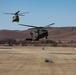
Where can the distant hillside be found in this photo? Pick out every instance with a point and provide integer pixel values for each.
(55, 33)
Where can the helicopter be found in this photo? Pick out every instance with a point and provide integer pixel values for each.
(16, 15)
(40, 32)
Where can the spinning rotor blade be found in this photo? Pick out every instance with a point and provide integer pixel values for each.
(36, 26)
(9, 13)
(13, 13)
(28, 25)
(24, 13)
(17, 11)
(21, 15)
(49, 25)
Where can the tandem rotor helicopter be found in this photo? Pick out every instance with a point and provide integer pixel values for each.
(40, 32)
(15, 18)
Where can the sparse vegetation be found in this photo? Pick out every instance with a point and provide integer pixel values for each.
(38, 43)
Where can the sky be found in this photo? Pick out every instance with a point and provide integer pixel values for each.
(42, 13)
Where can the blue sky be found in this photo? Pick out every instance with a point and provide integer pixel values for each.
(42, 12)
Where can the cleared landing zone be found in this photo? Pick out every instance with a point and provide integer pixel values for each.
(29, 60)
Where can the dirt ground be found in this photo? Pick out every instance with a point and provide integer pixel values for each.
(30, 60)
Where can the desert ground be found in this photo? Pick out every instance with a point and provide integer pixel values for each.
(30, 60)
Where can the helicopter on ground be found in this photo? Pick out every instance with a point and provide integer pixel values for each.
(40, 32)
(15, 18)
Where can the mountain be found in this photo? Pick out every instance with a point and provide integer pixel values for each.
(55, 33)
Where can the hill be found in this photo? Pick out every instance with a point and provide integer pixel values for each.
(55, 33)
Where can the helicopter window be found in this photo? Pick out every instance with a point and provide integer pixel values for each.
(44, 30)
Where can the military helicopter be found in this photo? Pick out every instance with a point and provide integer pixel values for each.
(40, 32)
(15, 18)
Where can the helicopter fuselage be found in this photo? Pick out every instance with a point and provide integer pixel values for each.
(15, 18)
(41, 34)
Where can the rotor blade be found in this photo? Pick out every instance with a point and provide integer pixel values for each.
(49, 24)
(21, 15)
(16, 13)
(9, 13)
(28, 25)
(24, 13)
